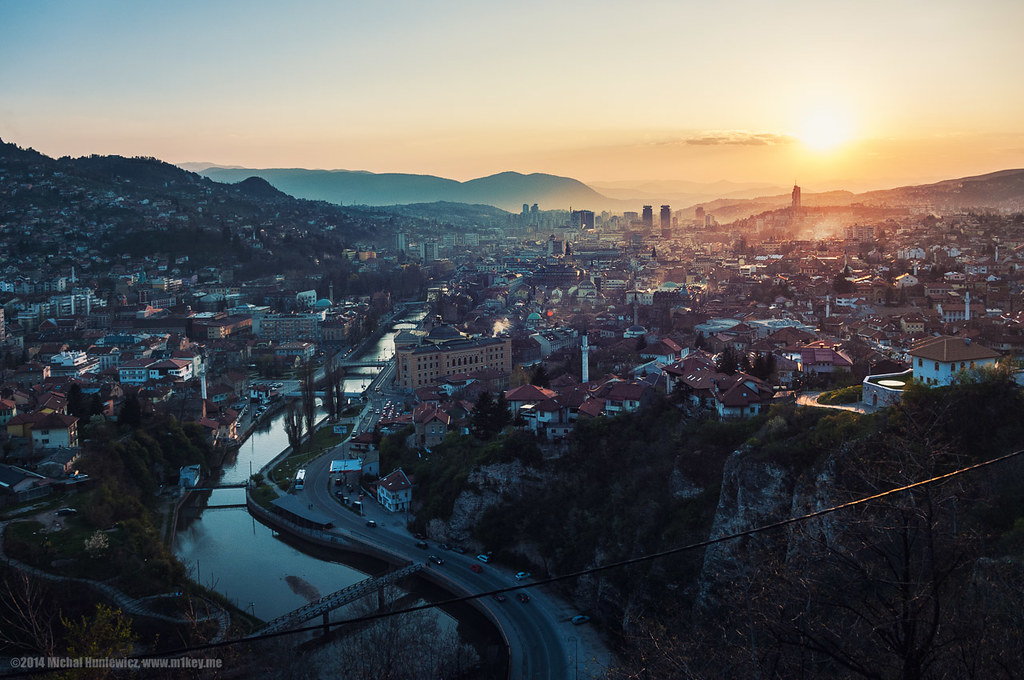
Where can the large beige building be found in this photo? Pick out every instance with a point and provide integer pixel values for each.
(427, 359)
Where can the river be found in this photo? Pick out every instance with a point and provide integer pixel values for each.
(228, 551)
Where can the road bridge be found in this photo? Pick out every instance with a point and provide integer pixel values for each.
(362, 363)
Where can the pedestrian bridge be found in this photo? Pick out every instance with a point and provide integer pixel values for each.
(326, 604)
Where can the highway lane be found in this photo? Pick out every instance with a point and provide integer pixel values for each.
(536, 640)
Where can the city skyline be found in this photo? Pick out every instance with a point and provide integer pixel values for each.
(849, 97)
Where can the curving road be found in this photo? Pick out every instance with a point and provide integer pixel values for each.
(536, 631)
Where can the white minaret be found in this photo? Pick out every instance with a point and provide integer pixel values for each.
(967, 306)
(586, 360)
(828, 306)
(202, 378)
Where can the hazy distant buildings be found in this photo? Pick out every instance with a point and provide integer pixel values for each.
(401, 242)
(666, 221)
(647, 217)
(796, 197)
(582, 219)
(698, 215)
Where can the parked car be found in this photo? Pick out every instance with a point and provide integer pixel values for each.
(445, 546)
(475, 568)
(522, 575)
(579, 619)
(484, 558)
(422, 544)
(66, 511)
(370, 523)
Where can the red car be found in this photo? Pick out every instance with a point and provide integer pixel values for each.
(475, 568)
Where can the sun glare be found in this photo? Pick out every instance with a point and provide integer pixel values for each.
(825, 130)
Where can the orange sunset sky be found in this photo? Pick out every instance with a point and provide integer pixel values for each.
(834, 95)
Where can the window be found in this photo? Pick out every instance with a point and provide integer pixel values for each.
(936, 365)
(920, 362)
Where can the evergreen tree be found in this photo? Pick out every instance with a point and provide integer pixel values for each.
(540, 377)
(131, 411)
(727, 362)
(483, 416)
(502, 413)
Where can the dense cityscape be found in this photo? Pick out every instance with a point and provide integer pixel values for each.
(512, 341)
(532, 329)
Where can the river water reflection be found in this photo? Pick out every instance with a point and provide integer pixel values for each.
(242, 559)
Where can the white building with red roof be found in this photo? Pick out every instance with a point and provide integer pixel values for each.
(394, 492)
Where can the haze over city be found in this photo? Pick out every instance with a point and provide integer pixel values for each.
(856, 96)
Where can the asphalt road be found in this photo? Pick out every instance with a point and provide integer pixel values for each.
(536, 631)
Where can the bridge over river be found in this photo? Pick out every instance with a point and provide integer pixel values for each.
(328, 603)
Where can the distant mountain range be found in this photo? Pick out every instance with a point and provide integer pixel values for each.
(507, 190)
(1002, 190)
(728, 201)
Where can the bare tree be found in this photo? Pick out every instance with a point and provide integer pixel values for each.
(293, 426)
(308, 389)
(26, 615)
(405, 646)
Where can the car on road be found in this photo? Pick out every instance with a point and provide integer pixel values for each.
(523, 597)
(370, 523)
(484, 558)
(419, 536)
(422, 544)
(459, 549)
(62, 512)
(580, 619)
(436, 560)
(522, 575)
(500, 597)
(475, 568)
(445, 546)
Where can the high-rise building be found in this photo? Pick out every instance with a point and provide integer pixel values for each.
(698, 214)
(666, 221)
(796, 197)
(582, 219)
(647, 217)
(401, 242)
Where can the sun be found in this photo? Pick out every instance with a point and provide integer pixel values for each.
(825, 130)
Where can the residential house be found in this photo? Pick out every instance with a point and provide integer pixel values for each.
(937, 361)
(394, 492)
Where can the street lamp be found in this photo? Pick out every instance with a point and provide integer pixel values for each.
(575, 655)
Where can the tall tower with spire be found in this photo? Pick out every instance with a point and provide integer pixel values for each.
(796, 197)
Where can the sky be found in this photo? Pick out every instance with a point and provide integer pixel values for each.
(830, 94)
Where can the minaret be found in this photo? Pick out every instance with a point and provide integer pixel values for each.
(967, 306)
(586, 360)
(828, 306)
(202, 379)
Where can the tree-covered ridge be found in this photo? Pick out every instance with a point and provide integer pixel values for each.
(894, 588)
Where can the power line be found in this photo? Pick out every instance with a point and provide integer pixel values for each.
(583, 572)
